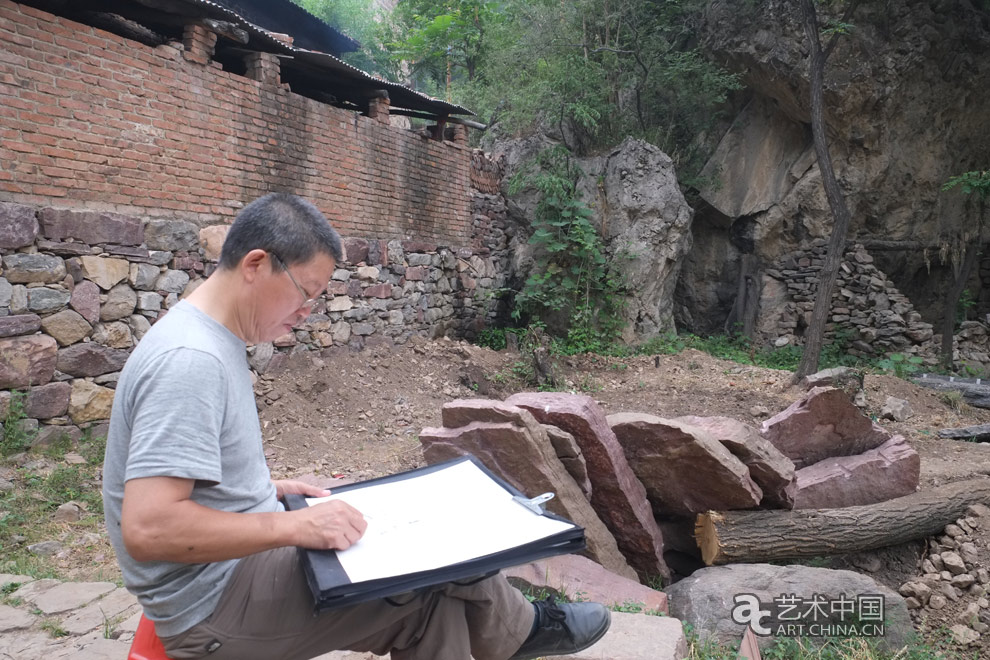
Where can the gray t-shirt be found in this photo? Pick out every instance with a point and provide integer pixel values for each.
(184, 407)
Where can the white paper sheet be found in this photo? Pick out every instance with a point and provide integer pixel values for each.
(442, 518)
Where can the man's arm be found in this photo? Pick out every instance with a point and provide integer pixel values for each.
(159, 521)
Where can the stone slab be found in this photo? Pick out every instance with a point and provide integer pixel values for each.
(768, 467)
(70, 595)
(117, 604)
(19, 324)
(18, 225)
(617, 495)
(12, 619)
(572, 576)
(92, 227)
(891, 470)
(684, 468)
(521, 454)
(822, 424)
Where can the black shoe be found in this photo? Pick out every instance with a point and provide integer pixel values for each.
(564, 628)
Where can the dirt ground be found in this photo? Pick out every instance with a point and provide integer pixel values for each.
(357, 415)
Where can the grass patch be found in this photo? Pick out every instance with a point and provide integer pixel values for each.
(938, 647)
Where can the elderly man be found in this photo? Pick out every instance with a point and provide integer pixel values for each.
(195, 518)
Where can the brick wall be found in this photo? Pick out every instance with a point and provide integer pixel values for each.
(91, 120)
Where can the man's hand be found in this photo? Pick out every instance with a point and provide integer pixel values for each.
(333, 525)
(291, 487)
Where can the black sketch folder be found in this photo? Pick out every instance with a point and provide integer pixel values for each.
(488, 530)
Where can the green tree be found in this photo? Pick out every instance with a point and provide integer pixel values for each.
(358, 20)
(441, 41)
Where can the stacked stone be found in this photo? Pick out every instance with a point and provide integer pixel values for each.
(865, 303)
(954, 575)
(486, 172)
(972, 345)
(78, 290)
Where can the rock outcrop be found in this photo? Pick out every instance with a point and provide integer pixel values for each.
(642, 214)
(904, 97)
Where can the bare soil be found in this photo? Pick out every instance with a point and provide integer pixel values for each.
(357, 415)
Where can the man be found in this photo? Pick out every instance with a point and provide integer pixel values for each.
(194, 516)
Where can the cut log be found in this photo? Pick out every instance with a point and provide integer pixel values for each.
(760, 536)
(978, 433)
(975, 391)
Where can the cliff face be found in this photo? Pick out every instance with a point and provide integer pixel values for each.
(907, 95)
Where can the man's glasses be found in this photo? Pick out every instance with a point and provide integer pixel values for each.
(307, 301)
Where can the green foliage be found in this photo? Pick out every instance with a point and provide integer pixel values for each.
(15, 438)
(359, 20)
(971, 183)
(965, 304)
(571, 277)
(493, 338)
(901, 365)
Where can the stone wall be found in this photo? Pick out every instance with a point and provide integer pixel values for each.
(92, 120)
(78, 290)
(875, 318)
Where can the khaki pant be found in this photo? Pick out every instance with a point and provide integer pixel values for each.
(266, 613)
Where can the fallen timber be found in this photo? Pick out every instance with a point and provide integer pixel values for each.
(757, 536)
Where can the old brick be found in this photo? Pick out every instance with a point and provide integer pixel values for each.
(91, 227)
(27, 361)
(18, 225)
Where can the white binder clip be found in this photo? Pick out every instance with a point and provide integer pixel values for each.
(535, 504)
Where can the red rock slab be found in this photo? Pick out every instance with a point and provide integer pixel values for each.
(823, 424)
(522, 455)
(572, 575)
(462, 412)
(617, 495)
(877, 475)
(768, 467)
(685, 469)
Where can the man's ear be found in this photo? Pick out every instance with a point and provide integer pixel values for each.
(255, 263)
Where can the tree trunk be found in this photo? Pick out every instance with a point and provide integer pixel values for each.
(836, 202)
(759, 536)
(952, 300)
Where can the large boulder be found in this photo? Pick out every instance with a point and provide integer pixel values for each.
(644, 220)
(823, 424)
(616, 493)
(891, 470)
(707, 598)
(513, 445)
(685, 469)
(768, 467)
